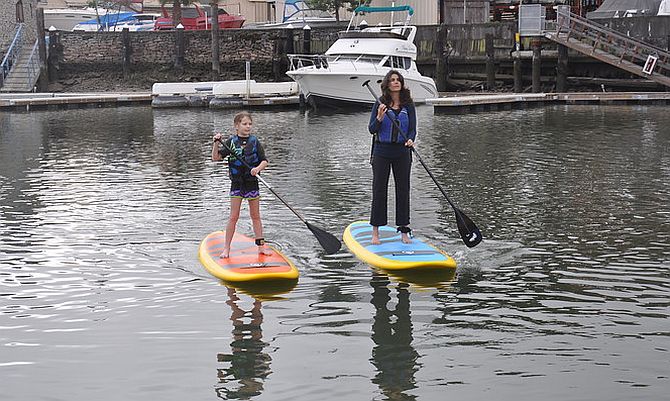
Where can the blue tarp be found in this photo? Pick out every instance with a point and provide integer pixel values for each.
(110, 19)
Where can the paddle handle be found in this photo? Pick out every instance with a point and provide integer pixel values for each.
(263, 181)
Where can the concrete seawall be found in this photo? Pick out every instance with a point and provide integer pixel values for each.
(454, 55)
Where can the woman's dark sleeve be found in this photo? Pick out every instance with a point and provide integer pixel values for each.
(411, 111)
(374, 124)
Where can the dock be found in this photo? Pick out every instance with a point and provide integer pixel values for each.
(456, 104)
(474, 103)
(30, 101)
(225, 94)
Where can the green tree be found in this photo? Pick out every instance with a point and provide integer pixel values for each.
(333, 6)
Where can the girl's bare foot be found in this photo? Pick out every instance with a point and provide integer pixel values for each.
(405, 238)
(264, 250)
(225, 254)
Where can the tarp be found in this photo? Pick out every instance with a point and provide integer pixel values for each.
(625, 8)
(298, 9)
(110, 19)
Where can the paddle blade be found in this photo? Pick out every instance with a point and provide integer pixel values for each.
(470, 234)
(328, 241)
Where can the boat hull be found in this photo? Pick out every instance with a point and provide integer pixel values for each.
(345, 89)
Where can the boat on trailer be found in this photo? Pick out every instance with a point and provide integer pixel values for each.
(360, 54)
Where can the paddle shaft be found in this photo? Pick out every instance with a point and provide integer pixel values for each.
(263, 181)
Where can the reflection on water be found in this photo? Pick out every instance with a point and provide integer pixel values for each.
(248, 364)
(102, 211)
(393, 356)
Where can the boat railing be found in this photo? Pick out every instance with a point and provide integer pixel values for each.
(12, 54)
(297, 61)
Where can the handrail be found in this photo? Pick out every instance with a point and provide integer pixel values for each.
(12, 54)
(602, 29)
(33, 66)
(615, 43)
(297, 61)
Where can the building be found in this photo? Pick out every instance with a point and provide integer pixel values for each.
(13, 13)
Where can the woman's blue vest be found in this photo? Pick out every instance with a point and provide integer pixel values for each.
(386, 132)
(237, 170)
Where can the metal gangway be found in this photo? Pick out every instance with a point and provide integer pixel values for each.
(20, 67)
(597, 41)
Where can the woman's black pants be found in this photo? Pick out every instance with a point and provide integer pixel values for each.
(381, 169)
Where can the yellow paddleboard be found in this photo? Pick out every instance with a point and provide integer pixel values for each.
(245, 264)
(392, 253)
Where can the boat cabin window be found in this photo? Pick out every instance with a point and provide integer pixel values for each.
(358, 57)
(398, 62)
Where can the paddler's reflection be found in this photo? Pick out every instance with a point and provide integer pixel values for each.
(393, 355)
(249, 365)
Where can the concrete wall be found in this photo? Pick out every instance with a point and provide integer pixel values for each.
(152, 53)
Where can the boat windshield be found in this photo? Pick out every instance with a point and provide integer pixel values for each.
(368, 58)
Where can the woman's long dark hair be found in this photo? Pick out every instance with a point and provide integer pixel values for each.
(405, 96)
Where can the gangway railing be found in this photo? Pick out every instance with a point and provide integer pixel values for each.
(33, 66)
(12, 54)
(610, 46)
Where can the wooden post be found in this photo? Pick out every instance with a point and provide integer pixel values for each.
(562, 69)
(54, 49)
(216, 63)
(490, 63)
(441, 70)
(537, 63)
(307, 39)
(43, 79)
(284, 47)
(179, 49)
(125, 40)
(518, 74)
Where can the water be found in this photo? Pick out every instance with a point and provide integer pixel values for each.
(102, 296)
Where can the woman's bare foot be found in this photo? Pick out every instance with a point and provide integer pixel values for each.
(225, 254)
(405, 238)
(375, 236)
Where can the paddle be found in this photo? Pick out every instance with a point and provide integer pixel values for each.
(328, 241)
(468, 230)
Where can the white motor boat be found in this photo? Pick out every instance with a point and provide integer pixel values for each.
(361, 54)
(64, 19)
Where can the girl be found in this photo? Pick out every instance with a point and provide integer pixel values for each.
(391, 151)
(244, 184)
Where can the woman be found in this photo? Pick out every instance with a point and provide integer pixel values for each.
(391, 150)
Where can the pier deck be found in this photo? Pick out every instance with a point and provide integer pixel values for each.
(28, 101)
(492, 102)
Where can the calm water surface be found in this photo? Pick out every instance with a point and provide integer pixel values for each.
(102, 296)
